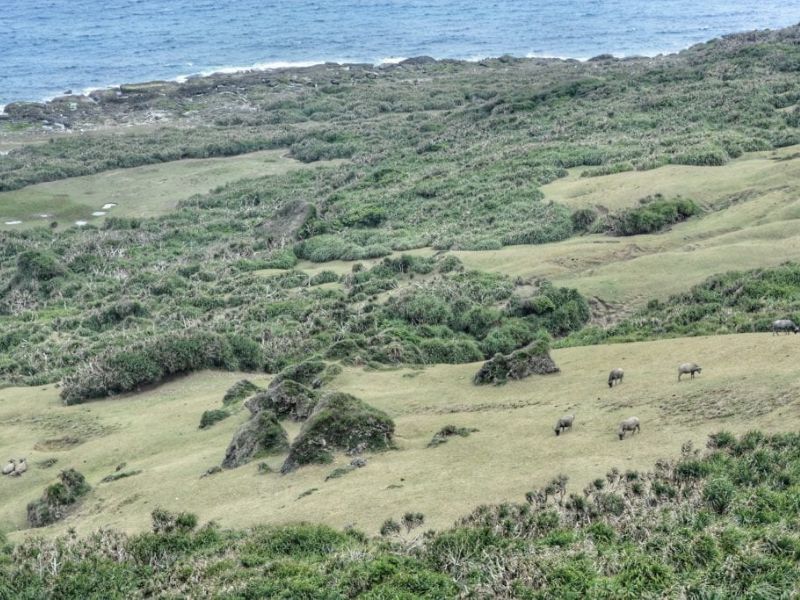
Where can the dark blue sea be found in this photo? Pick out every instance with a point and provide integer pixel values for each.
(50, 46)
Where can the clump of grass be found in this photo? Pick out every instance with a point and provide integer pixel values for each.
(653, 214)
(533, 359)
(340, 472)
(307, 493)
(211, 471)
(260, 436)
(119, 475)
(447, 432)
(210, 417)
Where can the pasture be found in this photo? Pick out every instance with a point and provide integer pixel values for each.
(146, 191)
(749, 381)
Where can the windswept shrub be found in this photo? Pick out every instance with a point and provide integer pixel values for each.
(239, 391)
(210, 417)
(448, 431)
(147, 362)
(287, 399)
(653, 215)
(38, 265)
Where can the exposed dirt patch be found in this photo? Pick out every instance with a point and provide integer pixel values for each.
(726, 402)
(77, 425)
(62, 443)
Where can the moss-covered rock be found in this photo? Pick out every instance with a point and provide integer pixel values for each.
(339, 422)
(311, 373)
(260, 436)
(531, 360)
(287, 399)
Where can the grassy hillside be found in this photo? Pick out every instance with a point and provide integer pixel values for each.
(710, 524)
(136, 192)
(751, 223)
(515, 448)
(398, 227)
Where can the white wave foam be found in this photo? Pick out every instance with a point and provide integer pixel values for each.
(261, 66)
(391, 60)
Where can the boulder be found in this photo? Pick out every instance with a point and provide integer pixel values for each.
(339, 422)
(287, 399)
(260, 436)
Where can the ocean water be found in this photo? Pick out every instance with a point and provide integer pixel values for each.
(49, 46)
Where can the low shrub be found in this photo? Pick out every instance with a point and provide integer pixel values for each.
(239, 391)
(653, 215)
(287, 399)
(448, 431)
(210, 417)
(58, 498)
(533, 359)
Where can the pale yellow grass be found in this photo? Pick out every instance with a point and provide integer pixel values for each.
(749, 381)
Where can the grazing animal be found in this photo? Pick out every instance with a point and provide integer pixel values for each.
(631, 424)
(563, 423)
(786, 325)
(689, 368)
(21, 467)
(615, 377)
(9, 468)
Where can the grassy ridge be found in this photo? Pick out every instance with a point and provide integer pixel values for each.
(732, 302)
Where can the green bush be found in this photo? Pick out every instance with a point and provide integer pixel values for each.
(57, 499)
(260, 436)
(35, 265)
(239, 391)
(652, 216)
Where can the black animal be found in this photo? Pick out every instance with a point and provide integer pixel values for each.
(563, 423)
(615, 377)
(786, 325)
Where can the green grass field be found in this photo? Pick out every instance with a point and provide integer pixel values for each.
(145, 191)
(513, 451)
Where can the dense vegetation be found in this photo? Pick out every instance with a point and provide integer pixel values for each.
(444, 154)
(734, 302)
(124, 332)
(722, 524)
